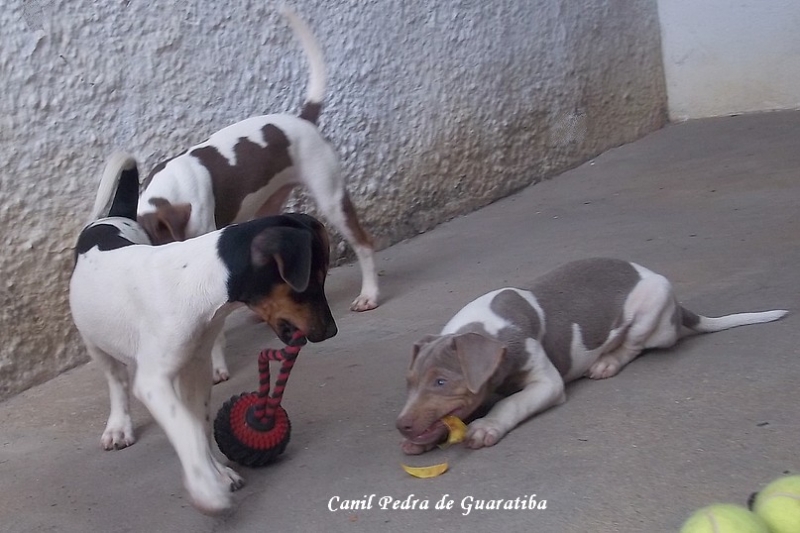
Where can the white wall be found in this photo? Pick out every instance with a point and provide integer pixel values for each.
(436, 108)
(725, 56)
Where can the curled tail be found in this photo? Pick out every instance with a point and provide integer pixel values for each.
(316, 65)
(118, 193)
(695, 323)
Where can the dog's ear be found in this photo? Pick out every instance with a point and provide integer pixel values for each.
(167, 223)
(173, 219)
(319, 230)
(479, 357)
(290, 248)
(427, 339)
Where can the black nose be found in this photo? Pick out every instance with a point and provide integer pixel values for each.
(320, 334)
(331, 330)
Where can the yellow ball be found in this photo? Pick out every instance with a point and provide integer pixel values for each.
(778, 504)
(724, 518)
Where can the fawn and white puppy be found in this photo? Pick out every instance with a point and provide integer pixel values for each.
(248, 170)
(158, 309)
(586, 318)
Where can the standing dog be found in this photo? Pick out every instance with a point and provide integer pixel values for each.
(249, 169)
(159, 310)
(590, 317)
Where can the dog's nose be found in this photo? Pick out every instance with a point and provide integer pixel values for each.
(323, 331)
(403, 425)
(331, 330)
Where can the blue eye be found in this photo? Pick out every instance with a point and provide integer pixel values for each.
(440, 382)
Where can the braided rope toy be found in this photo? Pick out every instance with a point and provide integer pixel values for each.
(252, 429)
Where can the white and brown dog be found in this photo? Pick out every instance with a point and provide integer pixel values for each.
(248, 170)
(158, 310)
(587, 318)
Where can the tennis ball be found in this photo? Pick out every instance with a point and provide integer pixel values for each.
(724, 518)
(778, 504)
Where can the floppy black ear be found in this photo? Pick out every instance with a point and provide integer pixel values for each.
(290, 248)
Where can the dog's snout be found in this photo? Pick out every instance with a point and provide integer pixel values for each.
(405, 424)
(325, 331)
(331, 330)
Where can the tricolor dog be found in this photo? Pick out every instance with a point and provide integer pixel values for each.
(158, 309)
(248, 170)
(586, 318)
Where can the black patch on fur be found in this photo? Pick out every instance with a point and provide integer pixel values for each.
(126, 198)
(107, 236)
(104, 236)
(248, 283)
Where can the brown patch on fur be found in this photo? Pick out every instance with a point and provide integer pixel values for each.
(311, 112)
(351, 219)
(275, 203)
(167, 223)
(255, 167)
(282, 304)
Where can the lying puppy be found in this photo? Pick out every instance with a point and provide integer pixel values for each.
(590, 317)
(159, 310)
(249, 169)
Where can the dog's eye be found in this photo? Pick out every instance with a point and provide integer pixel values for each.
(440, 382)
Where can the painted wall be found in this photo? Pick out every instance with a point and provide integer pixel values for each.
(436, 108)
(723, 57)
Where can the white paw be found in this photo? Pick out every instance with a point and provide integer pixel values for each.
(483, 432)
(364, 303)
(605, 367)
(118, 436)
(211, 490)
(232, 477)
(220, 374)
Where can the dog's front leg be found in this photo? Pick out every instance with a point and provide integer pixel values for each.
(543, 389)
(208, 487)
(195, 390)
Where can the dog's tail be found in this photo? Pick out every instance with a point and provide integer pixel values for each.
(118, 193)
(694, 323)
(316, 65)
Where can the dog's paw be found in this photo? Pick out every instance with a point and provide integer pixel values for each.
(483, 433)
(118, 436)
(234, 480)
(364, 303)
(211, 492)
(603, 368)
(220, 374)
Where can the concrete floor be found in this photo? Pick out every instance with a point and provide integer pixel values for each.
(712, 204)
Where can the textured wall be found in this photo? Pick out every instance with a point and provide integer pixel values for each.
(436, 108)
(723, 57)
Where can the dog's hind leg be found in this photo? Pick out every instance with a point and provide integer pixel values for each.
(651, 311)
(219, 367)
(119, 429)
(334, 203)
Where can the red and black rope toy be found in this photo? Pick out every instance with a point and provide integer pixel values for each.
(252, 428)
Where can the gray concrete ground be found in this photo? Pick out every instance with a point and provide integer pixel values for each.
(711, 204)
